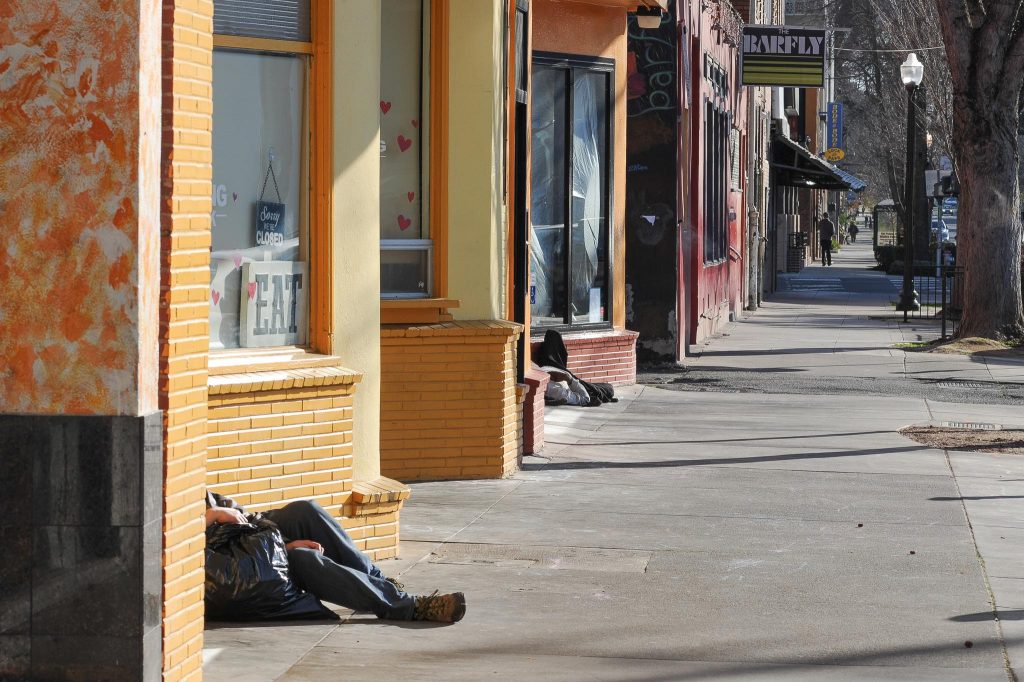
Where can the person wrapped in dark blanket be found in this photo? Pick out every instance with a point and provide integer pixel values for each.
(247, 575)
(281, 563)
(566, 387)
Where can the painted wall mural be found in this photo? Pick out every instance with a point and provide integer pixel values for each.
(651, 178)
(70, 252)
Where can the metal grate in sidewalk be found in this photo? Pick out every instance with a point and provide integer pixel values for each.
(972, 426)
(961, 384)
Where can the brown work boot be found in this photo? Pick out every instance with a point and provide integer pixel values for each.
(441, 608)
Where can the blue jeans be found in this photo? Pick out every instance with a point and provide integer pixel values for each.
(342, 575)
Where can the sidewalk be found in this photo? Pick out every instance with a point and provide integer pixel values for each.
(839, 321)
(682, 536)
(711, 536)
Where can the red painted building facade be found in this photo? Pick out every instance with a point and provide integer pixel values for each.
(686, 268)
(715, 197)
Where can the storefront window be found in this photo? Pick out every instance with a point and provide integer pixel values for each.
(716, 140)
(406, 248)
(258, 262)
(570, 186)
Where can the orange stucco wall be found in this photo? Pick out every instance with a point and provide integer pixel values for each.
(79, 196)
(595, 31)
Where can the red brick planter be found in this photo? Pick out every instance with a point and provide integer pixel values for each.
(605, 356)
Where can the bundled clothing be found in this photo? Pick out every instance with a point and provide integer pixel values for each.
(565, 388)
(252, 580)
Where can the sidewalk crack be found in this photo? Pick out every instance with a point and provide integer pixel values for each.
(1011, 675)
(451, 537)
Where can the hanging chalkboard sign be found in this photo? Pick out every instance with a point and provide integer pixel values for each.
(269, 223)
(270, 214)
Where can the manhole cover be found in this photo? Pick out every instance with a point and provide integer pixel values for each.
(552, 558)
(972, 426)
(961, 384)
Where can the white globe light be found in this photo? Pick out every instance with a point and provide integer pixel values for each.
(648, 17)
(912, 71)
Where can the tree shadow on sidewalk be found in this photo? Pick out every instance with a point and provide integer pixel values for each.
(976, 498)
(727, 440)
(981, 616)
(718, 461)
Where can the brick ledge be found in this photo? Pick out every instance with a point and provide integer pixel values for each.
(278, 380)
(379, 490)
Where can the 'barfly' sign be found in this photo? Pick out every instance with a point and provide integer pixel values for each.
(784, 56)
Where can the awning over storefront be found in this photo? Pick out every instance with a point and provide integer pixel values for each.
(795, 166)
(856, 184)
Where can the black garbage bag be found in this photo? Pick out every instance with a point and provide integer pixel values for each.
(553, 353)
(247, 575)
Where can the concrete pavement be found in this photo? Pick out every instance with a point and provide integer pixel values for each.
(840, 321)
(679, 535)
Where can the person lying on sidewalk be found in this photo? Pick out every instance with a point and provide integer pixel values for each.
(323, 561)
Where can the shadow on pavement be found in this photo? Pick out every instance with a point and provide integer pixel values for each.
(1013, 614)
(789, 351)
(715, 461)
(734, 440)
(891, 657)
(980, 497)
(237, 624)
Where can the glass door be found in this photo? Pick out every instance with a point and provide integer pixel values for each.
(570, 254)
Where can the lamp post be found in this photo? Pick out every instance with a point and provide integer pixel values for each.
(912, 73)
(937, 196)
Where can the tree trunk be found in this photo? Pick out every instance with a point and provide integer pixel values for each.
(989, 239)
(985, 48)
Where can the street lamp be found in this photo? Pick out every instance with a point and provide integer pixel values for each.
(938, 197)
(648, 17)
(912, 73)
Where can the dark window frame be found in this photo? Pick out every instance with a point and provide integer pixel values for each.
(572, 63)
(718, 163)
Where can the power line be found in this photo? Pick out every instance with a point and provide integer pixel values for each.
(909, 49)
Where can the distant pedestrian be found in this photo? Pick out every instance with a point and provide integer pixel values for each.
(853, 230)
(826, 232)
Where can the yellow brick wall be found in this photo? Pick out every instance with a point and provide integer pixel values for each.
(184, 335)
(448, 400)
(270, 447)
(278, 437)
(373, 527)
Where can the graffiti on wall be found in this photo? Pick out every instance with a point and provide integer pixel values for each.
(651, 175)
(69, 259)
(651, 68)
